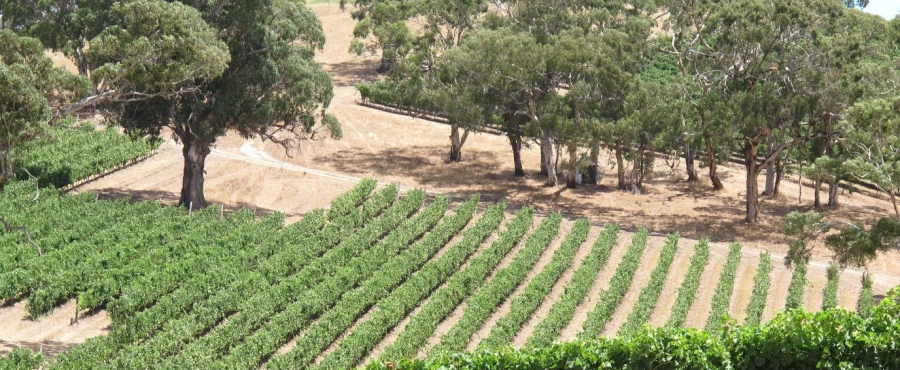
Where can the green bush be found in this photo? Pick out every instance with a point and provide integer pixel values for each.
(795, 339)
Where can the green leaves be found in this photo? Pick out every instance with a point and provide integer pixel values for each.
(795, 290)
(459, 287)
(618, 287)
(482, 305)
(834, 339)
(722, 297)
(687, 292)
(547, 331)
(760, 290)
(155, 47)
(831, 287)
(646, 302)
(524, 305)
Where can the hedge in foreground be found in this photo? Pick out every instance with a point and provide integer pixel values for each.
(795, 339)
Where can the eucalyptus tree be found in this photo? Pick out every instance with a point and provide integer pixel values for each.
(66, 26)
(871, 136)
(504, 71)
(444, 26)
(155, 48)
(29, 85)
(271, 86)
(759, 56)
(382, 26)
(594, 47)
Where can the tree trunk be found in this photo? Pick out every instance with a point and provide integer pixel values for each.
(779, 173)
(594, 168)
(637, 172)
(543, 161)
(833, 191)
(711, 156)
(549, 161)
(894, 203)
(386, 65)
(456, 143)
(816, 188)
(195, 153)
(752, 171)
(620, 166)
(6, 170)
(573, 164)
(515, 141)
(770, 180)
(689, 162)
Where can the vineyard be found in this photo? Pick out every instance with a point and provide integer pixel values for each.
(69, 154)
(378, 277)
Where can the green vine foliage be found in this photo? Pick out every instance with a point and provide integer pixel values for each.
(795, 339)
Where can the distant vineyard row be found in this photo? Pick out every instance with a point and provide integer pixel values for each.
(69, 154)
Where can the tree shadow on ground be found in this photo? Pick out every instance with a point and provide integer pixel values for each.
(171, 199)
(49, 348)
(720, 216)
(353, 73)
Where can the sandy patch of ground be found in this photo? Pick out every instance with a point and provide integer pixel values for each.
(50, 334)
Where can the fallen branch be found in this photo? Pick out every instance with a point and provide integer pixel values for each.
(24, 231)
(37, 188)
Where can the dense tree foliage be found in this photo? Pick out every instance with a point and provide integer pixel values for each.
(199, 68)
(29, 83)
(708, 81)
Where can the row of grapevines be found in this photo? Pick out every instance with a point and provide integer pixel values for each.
(564, 309)
(866, 299)
(394, 308)
(646, 302)
(51, 223)
(831, 287)
(618, 287)
(148, 290)
(257, 309)
(722, 297)
(524, 305)
(175, 332)
(295, 256)
(687, 292)
(99, 349)
(100, 289)
(209, 279)
(279, 328)
(345, 203)
(60, 158)
(69, 223)
(21, 358)
(793, 339)
(760, 290)
(148, 238)
(485, 302)
(146, 351)
(36, 277)
(795, 290)
(103, 288)
(461, 285)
